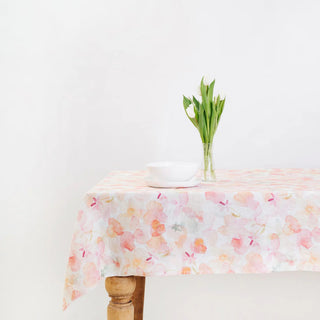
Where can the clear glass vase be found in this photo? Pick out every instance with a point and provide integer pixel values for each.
(208, 164)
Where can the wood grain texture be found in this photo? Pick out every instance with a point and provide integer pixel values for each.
(138, 298)
(120, 290)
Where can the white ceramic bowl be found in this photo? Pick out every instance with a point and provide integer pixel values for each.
(172, 171)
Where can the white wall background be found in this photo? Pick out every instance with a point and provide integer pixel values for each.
(91, 86)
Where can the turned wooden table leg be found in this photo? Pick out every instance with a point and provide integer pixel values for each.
(120, 290)
(138, 298)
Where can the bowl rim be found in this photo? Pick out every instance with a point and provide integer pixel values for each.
(167, 164)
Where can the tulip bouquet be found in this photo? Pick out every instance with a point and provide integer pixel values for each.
(205, 116)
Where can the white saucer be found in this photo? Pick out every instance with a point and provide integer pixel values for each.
(195, 181)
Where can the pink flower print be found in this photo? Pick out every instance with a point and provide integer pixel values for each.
(232, 225)
(275, 242)
(140, 236)
(80, 215)
(159, 269)
(183, 198)
(269, 197)
(199, 246)
(304, 238)
(74, 263)
(134, 222)
(127, 241)
(85, 224)
(100, 247)
(94, 202)
(246, 199)
(205, 269)
(192, 214)
(180, 203)
(224, 203)
(292, 225)
(114, 228)
(189, 258)
(239, 245)
(316, 234)
(154, 212)
(157, 228)
(91, 201)
(254, 263)
(215, 197)
(91, 275)
(161, 197)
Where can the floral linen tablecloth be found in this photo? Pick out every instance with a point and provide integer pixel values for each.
(248, 221)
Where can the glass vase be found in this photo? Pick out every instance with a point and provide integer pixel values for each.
(208, 174)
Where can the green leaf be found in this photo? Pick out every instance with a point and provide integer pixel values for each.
(221, 109)
(210, 92)
(205, 102)
(203, 126)
(196, 103)
(186, 102)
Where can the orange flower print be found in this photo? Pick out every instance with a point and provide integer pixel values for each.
(127, 241)
(180, 242)
(130, 212)
(223, 257)
(154, 212)
(238, 245)
(64, 305)
(157, 228)
(91, 275)
(312, 210)
(199, 246)
(75, 295)
(186, 270)
(158, 244)
(292, 225)
(114, 228)
(243, 197)
(74, 263)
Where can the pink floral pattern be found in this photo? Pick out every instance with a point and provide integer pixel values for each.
(248, 221)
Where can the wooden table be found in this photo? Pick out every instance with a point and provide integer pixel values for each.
(127, 297)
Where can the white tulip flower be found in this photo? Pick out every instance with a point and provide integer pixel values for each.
(190, 111)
